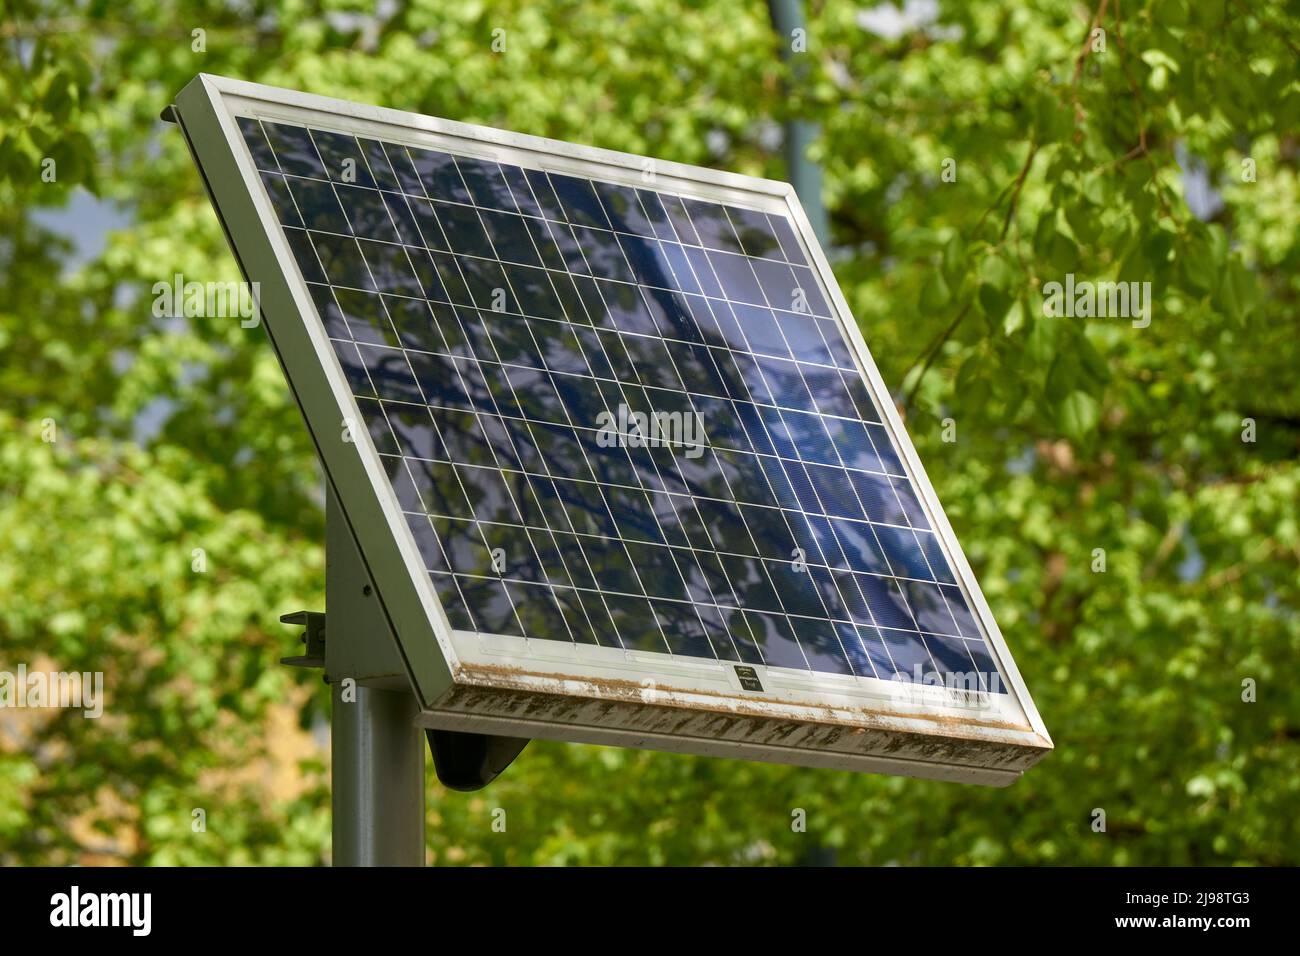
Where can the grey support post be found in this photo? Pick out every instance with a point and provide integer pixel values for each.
(378, 778)
(377, 751)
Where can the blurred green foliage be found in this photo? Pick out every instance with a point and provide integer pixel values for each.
(1071, 434)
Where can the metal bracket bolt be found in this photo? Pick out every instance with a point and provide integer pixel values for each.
(313, 637)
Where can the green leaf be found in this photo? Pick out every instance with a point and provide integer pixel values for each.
(1084, 220)
(1196, 256)
(1061, 252)
(1015, 317)
(1156, 58)
(995, 271)
(1156, 249)
(1052, 119)
(1078, 415)
(972, 387)
(993, 303)
(1063, 377)
(1090, 359)
(935, 293)
(1043, 338)
(1239, 291)
(954, 260)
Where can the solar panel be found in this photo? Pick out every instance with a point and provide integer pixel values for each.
(488, 329)
(621, 414)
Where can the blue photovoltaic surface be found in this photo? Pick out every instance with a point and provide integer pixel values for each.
(491, 318)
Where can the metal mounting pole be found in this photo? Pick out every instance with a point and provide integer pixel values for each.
(377, 750)
(804, 174)
(378, 777)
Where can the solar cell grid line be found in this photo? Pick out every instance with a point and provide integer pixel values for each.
(559, 608)
(442, 202)
(785, 351)
(544, 530)
(926, 642)
(902, 592)
(675, 500)
(894, 572)
(743, 522)
(822, 597)
(532, 544)
(405, 357)
(531, 481)
(470, 257)
(694, 504)
(245, 126)
(785, 457)
(673, 504)
(569, 419)
(797, 537)
(867, 604)
(854, 582)
(632, 564)
(815, 557)
(581, 607)
(763, 558)
(383, 305)
(480, 525)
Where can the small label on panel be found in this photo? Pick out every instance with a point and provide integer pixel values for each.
(748, 678)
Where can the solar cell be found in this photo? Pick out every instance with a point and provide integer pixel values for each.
(616, 415)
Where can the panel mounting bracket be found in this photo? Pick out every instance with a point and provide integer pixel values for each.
(313, 637)
(366, 649)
